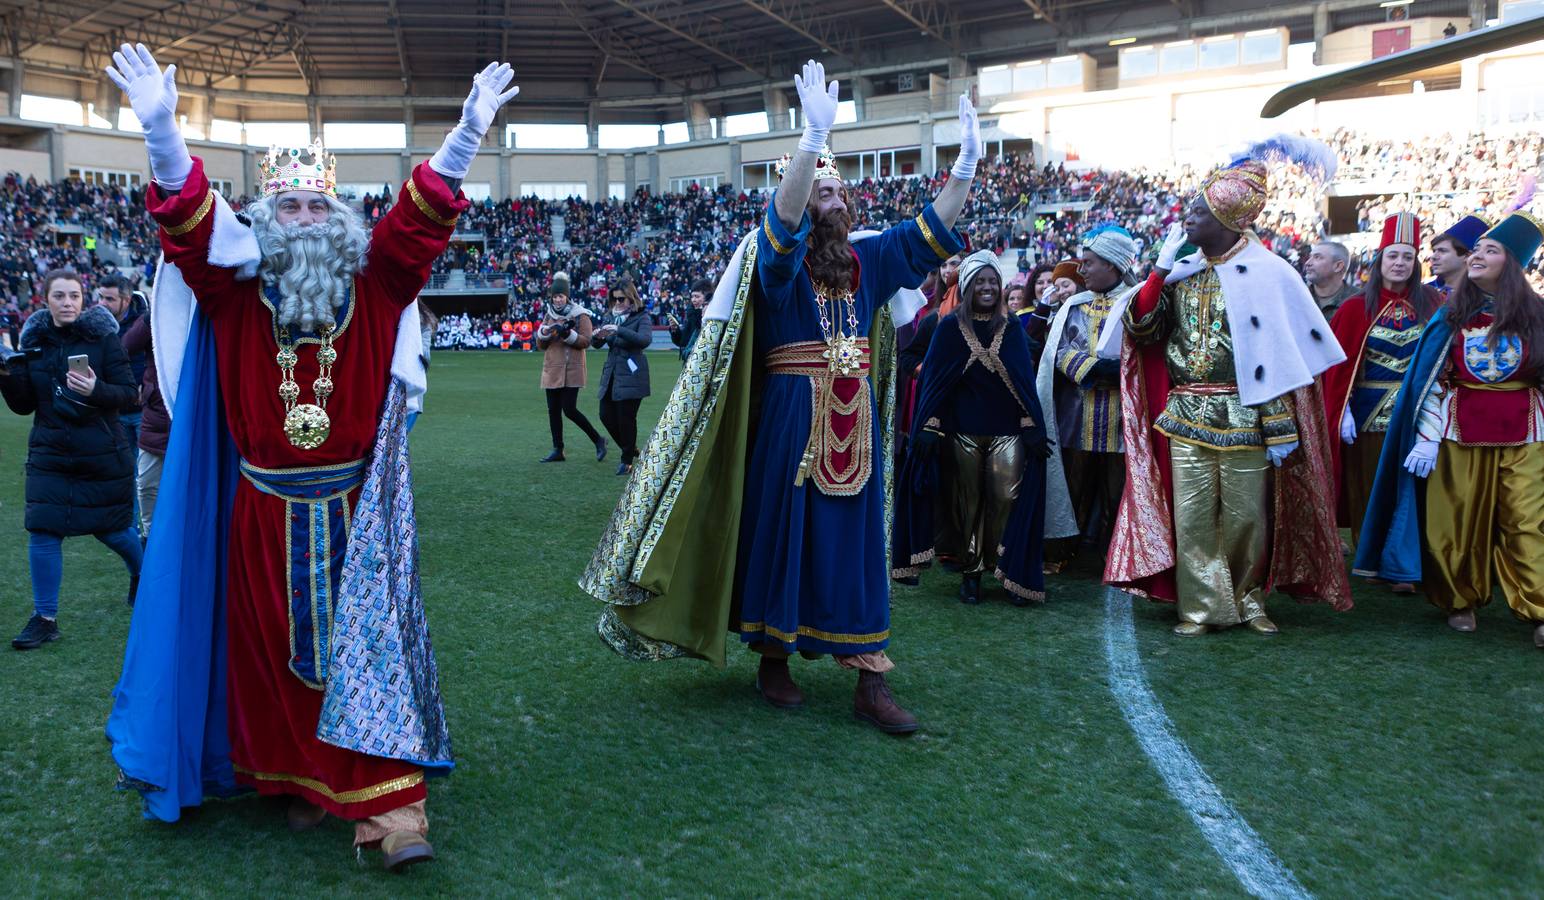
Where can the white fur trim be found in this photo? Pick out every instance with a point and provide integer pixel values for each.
(904, 303)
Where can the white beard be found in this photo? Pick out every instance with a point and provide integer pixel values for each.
(312, 282)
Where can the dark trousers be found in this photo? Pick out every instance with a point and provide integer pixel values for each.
(565, 402)
(620, 417)
(1096, 481)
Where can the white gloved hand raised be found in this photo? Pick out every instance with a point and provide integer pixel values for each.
(1347, 428)
(1422, 458)
(1172, 242)
(454, 158)
(970, 141)
(153, 96)
(818, 100)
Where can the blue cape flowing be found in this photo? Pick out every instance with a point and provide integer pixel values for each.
(168, 722)
(1391, 541)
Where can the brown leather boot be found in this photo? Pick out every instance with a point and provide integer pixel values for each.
(776, 684)
(873, 703)
(303, 815)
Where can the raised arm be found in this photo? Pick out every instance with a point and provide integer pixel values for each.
(818, 101)
(950, 201)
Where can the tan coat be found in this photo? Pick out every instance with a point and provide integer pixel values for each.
(563, 362)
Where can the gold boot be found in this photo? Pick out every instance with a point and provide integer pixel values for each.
(1262, 625)
(1191, 629)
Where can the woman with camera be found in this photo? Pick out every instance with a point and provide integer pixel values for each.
(624, 382)
(563, 337)
(72, 376)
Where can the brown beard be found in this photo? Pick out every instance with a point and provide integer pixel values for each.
(830, 253)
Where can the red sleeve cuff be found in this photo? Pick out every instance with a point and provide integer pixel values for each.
(426, 194)
(1147, 296)
(185, 210)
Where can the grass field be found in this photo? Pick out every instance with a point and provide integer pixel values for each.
(1375, 752)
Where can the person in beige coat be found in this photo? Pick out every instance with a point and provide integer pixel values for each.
(563, 337)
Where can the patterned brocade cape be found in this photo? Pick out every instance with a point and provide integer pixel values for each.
(665, 564)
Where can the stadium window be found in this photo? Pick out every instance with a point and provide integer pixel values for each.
(1219, 53)
(745, 123)
(994, 80)
(758, 175)
(1139, 62)
(676, 133)
(621, 137)
(224, 186)
(50, 109)
(281, 134)
(1028, 76)
(1177, 58)
(1064, 71)
(364, 135)
(548, 136)
(846, 111)
(616, 190)
(477, 191)
(1259, 47)
(682, 185)
(226, 131)
(555, 190)
(107, 177)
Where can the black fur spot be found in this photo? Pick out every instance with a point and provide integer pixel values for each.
(1255, 321)
(1314, 333)
(1259, 373)
(1241, 268)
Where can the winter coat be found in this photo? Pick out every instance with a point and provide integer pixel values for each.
(685, 336)
(155, 426)
(563, 362)
(80, 467)
(624, 381)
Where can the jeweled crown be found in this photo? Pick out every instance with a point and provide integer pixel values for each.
(825, 166)
(299, 169)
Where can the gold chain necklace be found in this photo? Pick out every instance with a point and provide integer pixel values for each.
(306, 424)
(842, 351)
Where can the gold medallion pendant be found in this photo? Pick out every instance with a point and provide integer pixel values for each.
(307, 426)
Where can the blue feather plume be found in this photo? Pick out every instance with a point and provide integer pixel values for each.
(1314, 156)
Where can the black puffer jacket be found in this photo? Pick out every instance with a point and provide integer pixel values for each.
(80, 468)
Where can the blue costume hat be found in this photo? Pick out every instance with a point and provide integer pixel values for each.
(1466, 232)
(1521, 234)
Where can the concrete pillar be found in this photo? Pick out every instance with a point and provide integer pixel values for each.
(314, 117)
(506, 162)
(56, 170)
(199, 114)
(602, 175)
(18, 84)
(698, 121)
(959, 67)
(862, 89)
(736, 173)
(927, 162)
(776, 103)
(630, 173)
(1476, 14)
(249, 185)
(655, 183)
(1321, 28)
(109, 100)
(409, 120)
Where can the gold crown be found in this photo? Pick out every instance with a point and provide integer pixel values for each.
(299, 169)
(825, 166)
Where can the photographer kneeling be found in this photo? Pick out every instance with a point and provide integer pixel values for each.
(72, 376)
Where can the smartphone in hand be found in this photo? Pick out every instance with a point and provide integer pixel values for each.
(80, 365)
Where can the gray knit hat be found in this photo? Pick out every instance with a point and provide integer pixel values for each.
(559, 284)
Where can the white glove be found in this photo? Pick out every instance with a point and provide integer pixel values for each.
(153, 95)
(970, 141)
(454, 158)
(1172, 241)
(818, 100)
(1347, 428)
(1278, 453)
(1422, 458)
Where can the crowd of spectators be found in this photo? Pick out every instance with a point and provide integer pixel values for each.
(667, 242)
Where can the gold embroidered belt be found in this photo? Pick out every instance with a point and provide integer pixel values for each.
(839, 456)
(1493, 385)
(1205, 390)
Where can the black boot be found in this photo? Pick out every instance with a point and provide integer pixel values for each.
(133, 590)
(38, 632)
(970, 590)
(555, 456)
(600, 450)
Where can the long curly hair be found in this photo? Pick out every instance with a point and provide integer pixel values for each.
(312, 266)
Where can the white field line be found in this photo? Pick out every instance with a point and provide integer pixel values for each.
(1251, 861)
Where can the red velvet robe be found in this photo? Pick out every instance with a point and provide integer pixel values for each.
(273, 714)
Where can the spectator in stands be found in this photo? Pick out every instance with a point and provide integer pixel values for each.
(624, 382)
(73, 381)
(563, 337)
(1325, 272)
(684, 331)
(155, 424)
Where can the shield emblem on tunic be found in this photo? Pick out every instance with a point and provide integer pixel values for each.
(1492, 364)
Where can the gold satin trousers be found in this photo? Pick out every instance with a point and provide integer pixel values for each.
(1221, 532)
(1358, 466)
(978, 481)
(1485, 524)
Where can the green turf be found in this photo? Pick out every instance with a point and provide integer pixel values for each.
(1375, 752)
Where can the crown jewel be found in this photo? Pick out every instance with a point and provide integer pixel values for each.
(299, 169)
(825, 166)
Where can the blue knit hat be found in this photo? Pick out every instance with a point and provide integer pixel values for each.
(1521, 234)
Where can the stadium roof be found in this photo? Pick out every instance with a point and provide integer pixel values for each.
(613, 60)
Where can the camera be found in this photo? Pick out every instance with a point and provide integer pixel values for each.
(9, 358)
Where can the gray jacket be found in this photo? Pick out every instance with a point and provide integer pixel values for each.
(626, 374)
